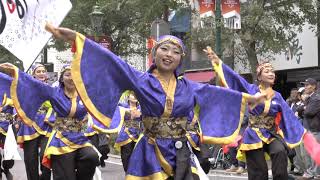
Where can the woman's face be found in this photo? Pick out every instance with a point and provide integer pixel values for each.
(40, 73)
(267, 76)
(132, 98)
(67, 80)
(168, 57)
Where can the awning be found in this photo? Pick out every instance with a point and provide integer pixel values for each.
(200, 76)
(303, 74)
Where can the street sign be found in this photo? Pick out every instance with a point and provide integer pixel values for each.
(104, 41)
(231, 14)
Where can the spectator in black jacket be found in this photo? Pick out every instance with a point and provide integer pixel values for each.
(301, 161)
(312, 117)
(312, 108)
(293, 98)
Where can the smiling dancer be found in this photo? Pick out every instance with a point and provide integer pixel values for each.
(165, 102)
(36, 134)
(273, 127)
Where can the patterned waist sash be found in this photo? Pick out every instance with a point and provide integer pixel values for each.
(160, 127)
(64, 124)
(266, 122)
(132, 124)
(6, 117)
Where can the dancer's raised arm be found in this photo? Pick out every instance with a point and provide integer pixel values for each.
(226, 76)
(65, 34)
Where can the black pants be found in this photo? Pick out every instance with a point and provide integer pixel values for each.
(77, 165)
(257, 165)
(234, 161)
(101, 147)
(31, 158)
(183, 161)
(94, 140)
(203, 156)
(126, 151)
(6, 164)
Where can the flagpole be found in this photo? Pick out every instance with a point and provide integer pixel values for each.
(218, 28)
(37, 57)
(32, 63)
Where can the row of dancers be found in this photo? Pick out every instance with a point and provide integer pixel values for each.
(175, 114)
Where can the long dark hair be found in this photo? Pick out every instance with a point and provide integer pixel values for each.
(133, 94)
(63, 70)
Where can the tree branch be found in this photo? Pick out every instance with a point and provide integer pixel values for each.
(259, 18)
(277, 5)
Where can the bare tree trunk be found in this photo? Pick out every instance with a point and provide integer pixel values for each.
(166, 13)
(253, 60)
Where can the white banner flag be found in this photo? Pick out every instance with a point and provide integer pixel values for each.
(10, 146)
(22, 25)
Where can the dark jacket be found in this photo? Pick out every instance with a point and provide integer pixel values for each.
(312, 112)
(300, 109)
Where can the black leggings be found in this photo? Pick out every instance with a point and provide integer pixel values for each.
(77, 165)
(6, 164)
(126, 151)
(257, 165)
(31, 158)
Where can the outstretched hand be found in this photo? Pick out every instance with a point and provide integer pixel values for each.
(258, 98)
(65, 34)
(212, 56)
(7, 68)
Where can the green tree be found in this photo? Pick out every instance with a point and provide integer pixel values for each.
(268, 27)
(127, 22)
(6, 56)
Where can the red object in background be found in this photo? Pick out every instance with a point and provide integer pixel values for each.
(235, 143)
(206, 6)
(200, 76)
(151, 42)
(278, 120)
(104, 41)
(230, 5)
(312, 146)
(73, 47)
(46, 162)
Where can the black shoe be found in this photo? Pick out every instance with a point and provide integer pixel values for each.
(1, 171)
(102, 163)
(8, 174)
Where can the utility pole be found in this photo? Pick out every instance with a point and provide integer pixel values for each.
(45, 55)
(218, 28)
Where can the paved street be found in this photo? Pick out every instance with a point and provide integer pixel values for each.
(114, 171)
